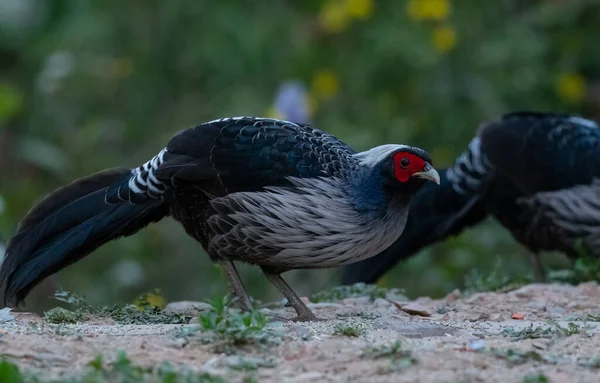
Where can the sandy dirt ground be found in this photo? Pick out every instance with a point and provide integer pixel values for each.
(480, 338)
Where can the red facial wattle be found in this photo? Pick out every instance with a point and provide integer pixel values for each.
(403, 170)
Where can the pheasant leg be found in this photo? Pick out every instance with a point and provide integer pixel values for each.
(538, 268)
(237, 286)
(304, 313)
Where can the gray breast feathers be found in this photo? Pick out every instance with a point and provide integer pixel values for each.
(311, 225)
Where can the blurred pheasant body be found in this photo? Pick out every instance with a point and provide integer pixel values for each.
(534, 172)
(266, 192)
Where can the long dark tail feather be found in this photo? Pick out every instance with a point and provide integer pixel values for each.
(436, 213)
(69, 224)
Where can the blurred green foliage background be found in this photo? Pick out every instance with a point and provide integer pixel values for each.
(92, 84)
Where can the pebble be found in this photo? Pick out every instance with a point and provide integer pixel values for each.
(302, 333)
(5, 315)
(453, 296)
(359, 301)
(476, 317)
(176, 343)
(381, 303)
(476, 344)
(187, 307)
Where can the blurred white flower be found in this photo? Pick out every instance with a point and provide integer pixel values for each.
(127, 273)
(16, 14)
(291, 102)
(56, 67)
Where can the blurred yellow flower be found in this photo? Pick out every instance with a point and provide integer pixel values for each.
(570, 87)
(151, 300)
(443, 38)
(360, 9)
(122, 67)
(324, 85)
(334, 16)
(156, 301)
(428, 9)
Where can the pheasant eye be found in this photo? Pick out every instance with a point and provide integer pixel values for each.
(404, 162)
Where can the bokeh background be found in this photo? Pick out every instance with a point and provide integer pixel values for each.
(92, 84)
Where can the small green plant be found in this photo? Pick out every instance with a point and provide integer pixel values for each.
(515, 357)
(593, 362)
(571, 329)
(59, 315)
(393, 350)
(588, 317)
(148, 309)
(529, 332)
(121, 370)
(495, 280)
(231, 326)
(585, 268)
(537, 378)
(247, 363)
(592, 317)
(9, 373)
(357, 290)
(399, 358)
(347, 329)
(553, 330)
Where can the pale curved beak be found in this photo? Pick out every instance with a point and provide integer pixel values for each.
(428, 173)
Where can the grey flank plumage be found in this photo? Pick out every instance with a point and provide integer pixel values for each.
(566, 216)
(313, 225)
